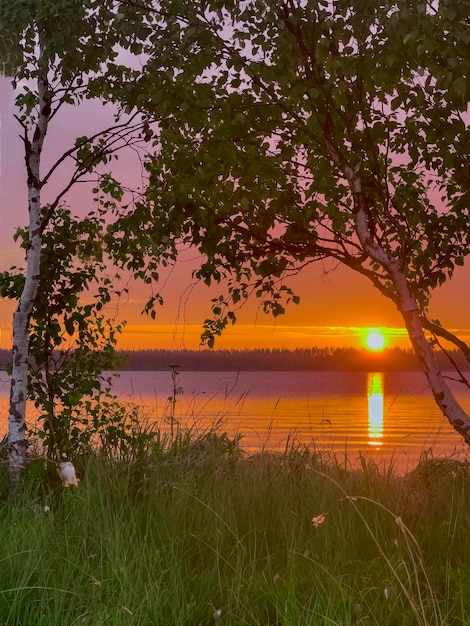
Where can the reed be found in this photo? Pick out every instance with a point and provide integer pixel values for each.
(193, 531)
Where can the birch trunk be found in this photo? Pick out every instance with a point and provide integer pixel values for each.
(22, 315)
(408, 307)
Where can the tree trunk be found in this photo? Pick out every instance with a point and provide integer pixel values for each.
(409, 310)
(22, 315)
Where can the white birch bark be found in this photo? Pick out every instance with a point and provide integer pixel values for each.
(408, 307)
(22, 315)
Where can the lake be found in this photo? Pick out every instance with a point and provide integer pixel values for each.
(384, 416)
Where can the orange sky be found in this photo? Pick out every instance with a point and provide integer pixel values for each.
(334, 305)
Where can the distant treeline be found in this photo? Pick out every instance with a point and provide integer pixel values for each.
(391, 359)
(282, 359)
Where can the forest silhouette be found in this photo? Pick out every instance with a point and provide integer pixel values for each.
(276, 359)
(392, 359)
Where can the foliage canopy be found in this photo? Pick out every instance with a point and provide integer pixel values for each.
(263, 108)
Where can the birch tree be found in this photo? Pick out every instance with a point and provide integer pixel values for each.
(56, 52)
(304, 130)
(72, 337)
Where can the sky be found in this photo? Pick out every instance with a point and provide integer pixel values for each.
(335, 308)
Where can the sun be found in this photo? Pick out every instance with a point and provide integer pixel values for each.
(375, 340)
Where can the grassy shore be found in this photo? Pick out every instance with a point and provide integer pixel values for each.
(191, 531)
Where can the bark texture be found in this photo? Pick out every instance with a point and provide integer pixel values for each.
(408, 307)
(22, 315)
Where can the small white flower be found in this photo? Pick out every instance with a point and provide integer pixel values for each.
(67, 473)
(386, 595)
(276, 578)
(47, 508)
(217, 613)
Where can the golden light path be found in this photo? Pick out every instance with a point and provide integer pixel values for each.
(375, 408)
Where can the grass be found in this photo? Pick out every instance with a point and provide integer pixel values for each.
(190, 531)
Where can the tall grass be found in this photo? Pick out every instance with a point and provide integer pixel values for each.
(191, 531)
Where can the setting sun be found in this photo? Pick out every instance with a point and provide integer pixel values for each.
(375, 340)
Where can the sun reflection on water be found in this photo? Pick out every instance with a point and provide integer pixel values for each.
(375, 403)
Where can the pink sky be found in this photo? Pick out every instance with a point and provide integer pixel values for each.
(334, 305)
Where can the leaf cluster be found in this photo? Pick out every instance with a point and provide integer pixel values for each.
(72, 339)
(262, 108)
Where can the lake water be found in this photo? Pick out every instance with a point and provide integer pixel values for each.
(380, 415)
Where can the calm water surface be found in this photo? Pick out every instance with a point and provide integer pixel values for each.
(382, 415)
